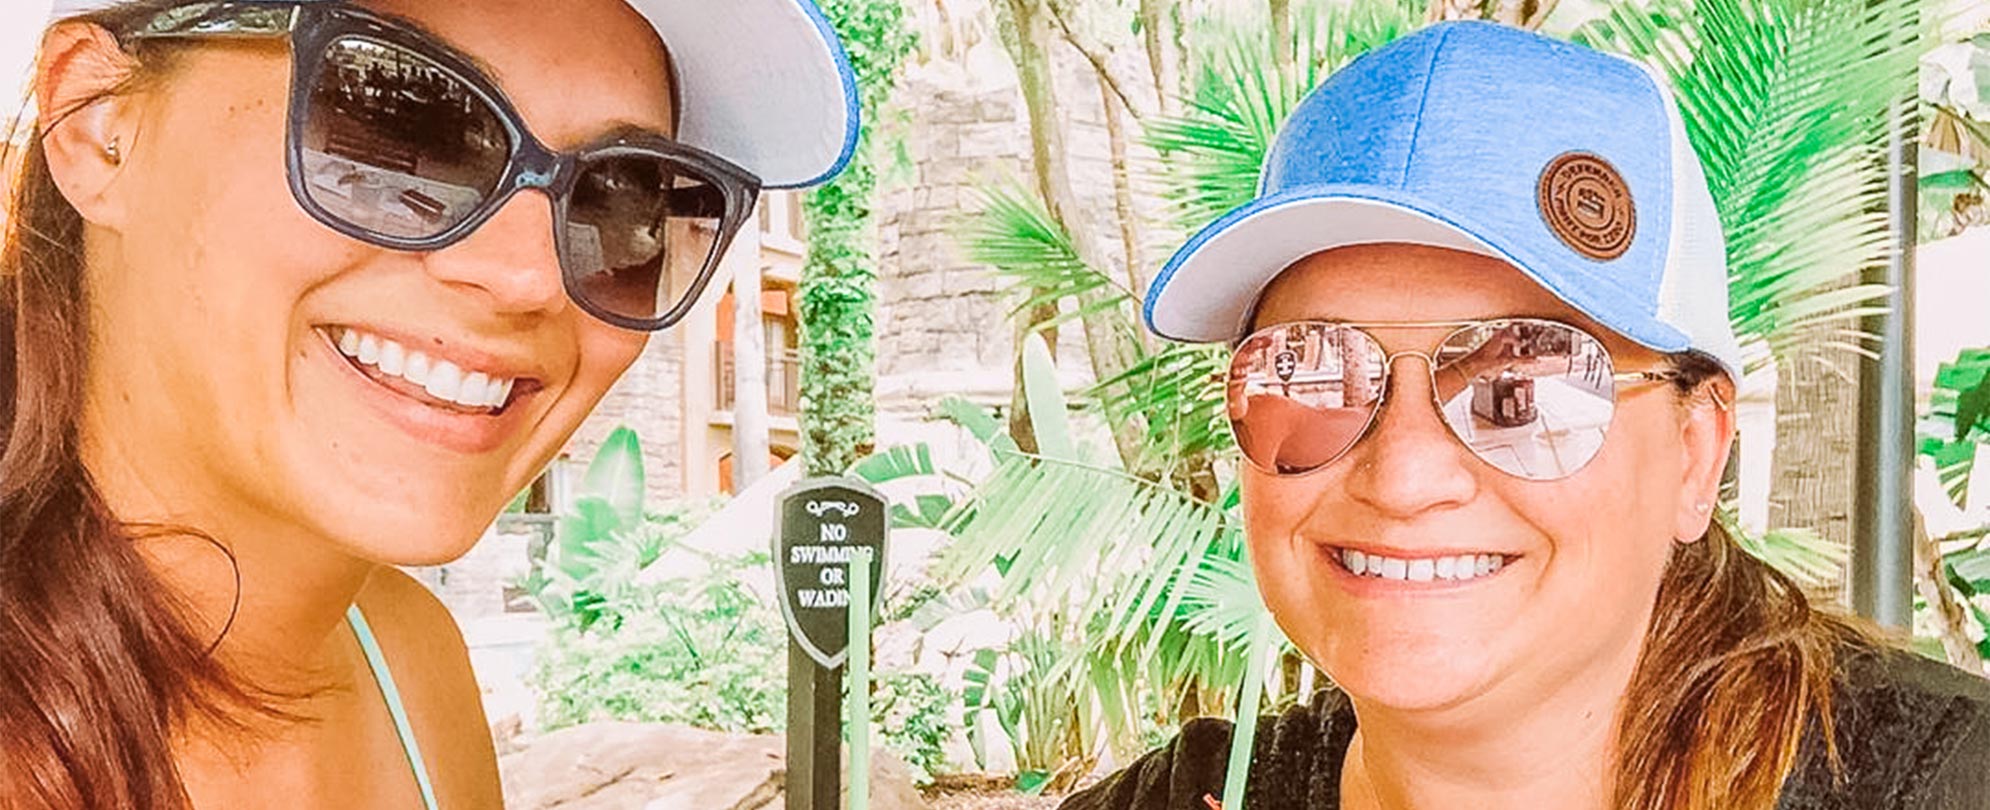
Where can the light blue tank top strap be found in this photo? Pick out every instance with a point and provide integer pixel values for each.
(378, 662)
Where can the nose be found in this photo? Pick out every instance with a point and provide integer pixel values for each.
(510, 262)
(1410, 464)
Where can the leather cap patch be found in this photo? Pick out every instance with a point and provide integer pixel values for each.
(1587, 203)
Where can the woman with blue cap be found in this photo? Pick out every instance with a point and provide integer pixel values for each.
(1482, 383)
(297, 292)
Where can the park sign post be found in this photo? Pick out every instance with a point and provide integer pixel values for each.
(824, 524)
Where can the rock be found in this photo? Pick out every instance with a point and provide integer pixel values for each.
(636, 766)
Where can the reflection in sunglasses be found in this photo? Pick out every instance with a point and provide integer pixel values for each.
(1532, 398)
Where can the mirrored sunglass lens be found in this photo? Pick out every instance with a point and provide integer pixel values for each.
(395, 144)
(1301, 394)
(635, 222)
(1532, 398)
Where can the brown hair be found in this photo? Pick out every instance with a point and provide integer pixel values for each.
(98, 668)
(1737, 669)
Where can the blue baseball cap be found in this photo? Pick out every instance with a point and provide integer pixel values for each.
(765, 84)
(1567, 163)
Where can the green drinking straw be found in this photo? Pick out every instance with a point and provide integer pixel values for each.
(858, 704)
(1239, 770)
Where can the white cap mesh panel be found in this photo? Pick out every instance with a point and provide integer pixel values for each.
(1693, 296)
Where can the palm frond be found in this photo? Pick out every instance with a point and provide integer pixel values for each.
(1014, 233)
(1215, 150)
(1178, 393)
(1786, 103)
(1956, 420)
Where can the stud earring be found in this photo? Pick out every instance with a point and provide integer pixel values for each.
(112, 152)
(1703, 507)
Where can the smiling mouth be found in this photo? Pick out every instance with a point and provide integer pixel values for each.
(434, 382)
(1454, 568)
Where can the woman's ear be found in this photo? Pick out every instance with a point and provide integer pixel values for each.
(88, 132)
(1706, 435)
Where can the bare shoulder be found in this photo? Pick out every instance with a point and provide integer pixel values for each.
(431, 666)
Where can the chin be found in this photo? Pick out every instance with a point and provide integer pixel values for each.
(1421, 674)
(406, 531)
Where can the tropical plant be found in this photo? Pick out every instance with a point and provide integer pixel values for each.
(1951, 430)
(701, 651)
(836, 300)
(1955, 145)
(1148, 635)
(1036, 691)
(912, 714)
(606, 538)
(1787, 103)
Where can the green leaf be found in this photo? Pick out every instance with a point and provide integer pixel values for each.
(1973, 567)
(977, 421)
(1951, 180)
(1972, 409)
(1049, 414)
(616, 475)
(583, 532)
(896, 463)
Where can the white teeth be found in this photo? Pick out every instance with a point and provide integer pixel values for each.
(476, 391)
(1459, 568)
(393, 358)
(417, 370)
(442, 379)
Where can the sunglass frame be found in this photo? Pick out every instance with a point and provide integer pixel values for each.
(1617, 378)
(313, 26)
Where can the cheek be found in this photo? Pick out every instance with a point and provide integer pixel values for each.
(1609, 526)
(1275, 509)
(216, 230)
(605, 353)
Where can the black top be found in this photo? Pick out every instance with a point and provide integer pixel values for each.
(1913, 734)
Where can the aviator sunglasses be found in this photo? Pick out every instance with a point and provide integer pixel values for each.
(397, 140)
(1532, 398)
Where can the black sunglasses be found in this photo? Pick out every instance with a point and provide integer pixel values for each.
(397, 140)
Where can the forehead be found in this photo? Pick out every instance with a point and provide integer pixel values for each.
(1399, 282)
(540, 52)
(1403, 282)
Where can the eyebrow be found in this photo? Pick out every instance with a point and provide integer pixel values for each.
(475, 61)
(617, 128)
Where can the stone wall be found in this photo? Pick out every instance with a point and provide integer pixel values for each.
(943, 327)
(650, 400)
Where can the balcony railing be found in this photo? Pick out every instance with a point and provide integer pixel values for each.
(784, 390)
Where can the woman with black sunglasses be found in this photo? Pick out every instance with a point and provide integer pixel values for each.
(300, 291)
(1482, 384)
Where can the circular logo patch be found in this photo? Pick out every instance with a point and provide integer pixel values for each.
(1586, 203)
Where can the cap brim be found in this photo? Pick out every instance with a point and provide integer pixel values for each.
(765, 84)
(1206, 293)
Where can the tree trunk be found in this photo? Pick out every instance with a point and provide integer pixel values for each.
(1284, 49)
(1817, 429)
(1164, 52)
(1110, 341)
(1122, 201)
